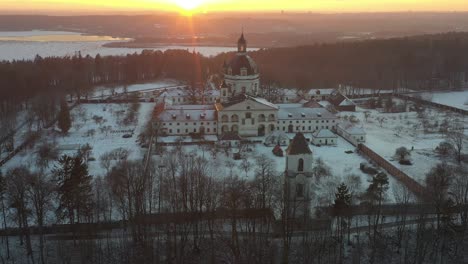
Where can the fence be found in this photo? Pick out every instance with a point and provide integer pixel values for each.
(412, 185)
(436, 105)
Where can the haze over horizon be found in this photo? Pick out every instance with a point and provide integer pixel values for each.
(73, 7)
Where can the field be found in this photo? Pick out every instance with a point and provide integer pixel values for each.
(99, 125)
(407, 130)
(458, 99)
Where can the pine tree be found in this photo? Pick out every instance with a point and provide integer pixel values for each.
(64, 121)
(74, 188)
(341, 211)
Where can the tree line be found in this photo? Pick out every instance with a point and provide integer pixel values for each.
(60, 190)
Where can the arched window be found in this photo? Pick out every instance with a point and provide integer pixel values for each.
(261, 118)
(234, 118)
(224, 119)
(300, 165)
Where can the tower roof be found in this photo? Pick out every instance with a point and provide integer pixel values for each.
(242, 39)
(298, 146)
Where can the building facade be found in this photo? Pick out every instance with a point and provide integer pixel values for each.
(298, 177)
(237, 107)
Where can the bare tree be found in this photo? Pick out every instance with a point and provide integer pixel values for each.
(456, 138)
(40, 190)
(18, 196)
(3, 192)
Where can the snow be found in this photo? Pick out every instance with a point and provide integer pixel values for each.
(28, 44)
(101, 142)
(100, 91)
(458, 99)
(324, 133)
(405, 130)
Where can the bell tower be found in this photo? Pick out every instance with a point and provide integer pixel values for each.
(298, 177)
(242, 44)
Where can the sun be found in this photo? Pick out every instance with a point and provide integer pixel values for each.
(188, 5)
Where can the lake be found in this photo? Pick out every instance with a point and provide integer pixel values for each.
(20, 45)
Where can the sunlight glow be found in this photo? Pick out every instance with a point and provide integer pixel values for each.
(188, 5)
(197, 6)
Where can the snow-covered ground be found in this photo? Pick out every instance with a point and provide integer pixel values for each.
(458, 99)
(85, 130)
(341, 166)
(160, 84)
(406, 130)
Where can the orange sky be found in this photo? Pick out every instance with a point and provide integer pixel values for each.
(73, 6)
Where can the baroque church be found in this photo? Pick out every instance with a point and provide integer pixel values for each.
(239, 107)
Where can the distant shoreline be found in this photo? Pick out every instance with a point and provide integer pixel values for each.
(137, 45)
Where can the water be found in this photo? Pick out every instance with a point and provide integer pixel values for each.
(27, 44)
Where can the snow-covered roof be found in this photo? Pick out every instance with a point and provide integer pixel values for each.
(190, 107)
(324, 133)
(264, 101)
(325, 91)
(287, 92)
(351, 128)
(188, 115)
(346, 102)
(304, 113)
(324, 103)
(289, 105)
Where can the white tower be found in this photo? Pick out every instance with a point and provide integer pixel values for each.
(298, 177)
(241, 75)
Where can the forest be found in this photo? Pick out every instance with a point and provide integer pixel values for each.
(181, 208)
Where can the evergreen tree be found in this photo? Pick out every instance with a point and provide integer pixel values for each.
(64, 120)
(74, 188)
(341, 211)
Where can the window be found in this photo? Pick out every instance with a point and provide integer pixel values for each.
(186, 130)
(310, 128)
(248, 115)
(186, 124)
(300, 165)
(178, 131)
(170, 130)
(299, 190)
(170, 124)
(248, 107)
(208, 130)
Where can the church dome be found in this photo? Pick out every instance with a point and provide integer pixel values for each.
(241, 64)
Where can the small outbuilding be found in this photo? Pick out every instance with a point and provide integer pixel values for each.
(352, 133)
(324, 137)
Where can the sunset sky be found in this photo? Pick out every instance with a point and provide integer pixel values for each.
(73, 6)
